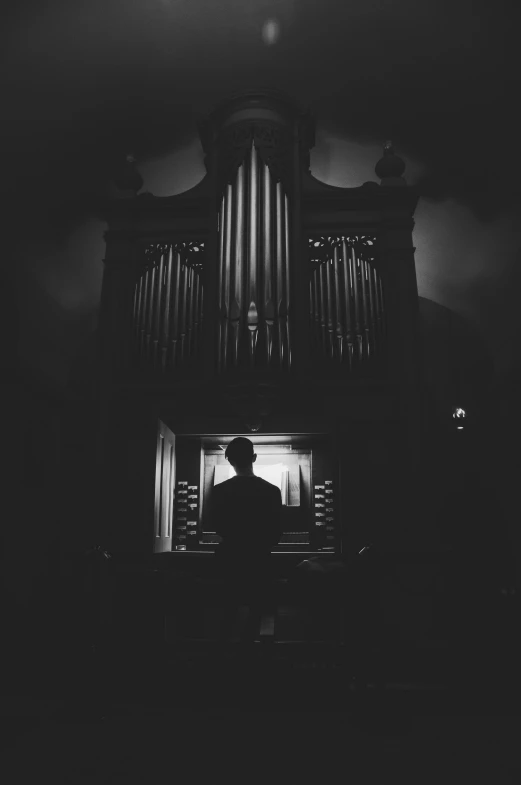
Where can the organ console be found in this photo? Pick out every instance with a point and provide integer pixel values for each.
(264, 303)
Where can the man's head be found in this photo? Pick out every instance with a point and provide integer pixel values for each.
(240, 453)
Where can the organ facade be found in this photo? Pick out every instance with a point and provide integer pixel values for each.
(265, 303)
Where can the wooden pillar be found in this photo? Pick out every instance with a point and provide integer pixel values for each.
(403, 344)
(114, 336)
(209, 275)
(117, 297)
(301, 266)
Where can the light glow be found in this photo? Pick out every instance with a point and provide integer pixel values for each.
(270, 32)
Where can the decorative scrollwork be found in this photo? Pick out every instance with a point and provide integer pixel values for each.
(192, 253)
(321, 248)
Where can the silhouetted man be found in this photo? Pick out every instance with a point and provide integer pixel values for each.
(246, 512)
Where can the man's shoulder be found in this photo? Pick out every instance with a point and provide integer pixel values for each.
(223, 486)
(239, 484)
(268, 487)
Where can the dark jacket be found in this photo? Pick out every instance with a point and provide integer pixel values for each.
(246, 513)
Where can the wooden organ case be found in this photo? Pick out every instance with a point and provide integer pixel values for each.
(263, 303)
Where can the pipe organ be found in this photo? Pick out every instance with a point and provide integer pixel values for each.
(254, 269)
(346, 299)
(309, 328)
(168, 305)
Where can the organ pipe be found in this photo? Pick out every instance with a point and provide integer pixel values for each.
(166, 312)
(280, 273)
(227, 271)
(268, 301)
(183, 312)
(346, 302)
(150, 309)
(254, 273)
(176, 309)
(365, 309)
(372, 314)
(287, 280)
(197, 330)
(348, 288)
(316, 292)
(322, 284)
(157, 309)
(142, 313)
(189, 308)
(220, 283)
(356, 289)
(337, 289)
(195, 320)
(168, 306)
(252, 315)
(236, 305)
(330, 314)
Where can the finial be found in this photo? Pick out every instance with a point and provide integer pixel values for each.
(390, 167)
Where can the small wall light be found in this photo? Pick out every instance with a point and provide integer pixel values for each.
(459, 415)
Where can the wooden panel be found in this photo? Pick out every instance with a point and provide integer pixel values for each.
(164, 487)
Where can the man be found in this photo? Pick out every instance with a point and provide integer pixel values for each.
(246, 512)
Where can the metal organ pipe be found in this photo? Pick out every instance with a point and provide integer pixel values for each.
(139, 315)
(236, 304)
(280, 273)
(168, 305)
(150, 308)
(356, 288)
(372, 315)
(253, 206)
(330, 314)
(189, 308)
(159, 288)
(165, 332)
(348, 288)
(220, 285)
(287, 331)
(365, 308)
(254, 274)
(183, 311)
(199, 310)
(146, 308)
(337, 289)
(174, 332)
(317, 305)
(228, 215)
(322, 306)
(268, 300)
(346, 301)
